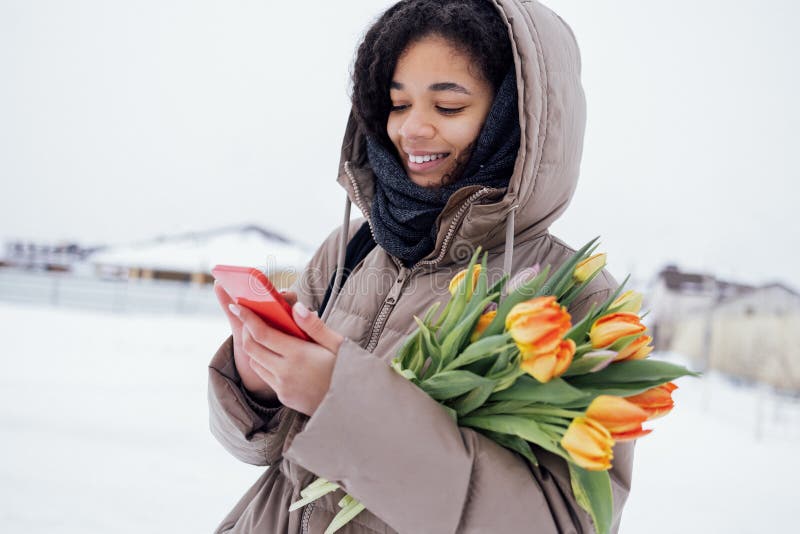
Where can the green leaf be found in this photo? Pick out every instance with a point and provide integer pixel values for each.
(590, 361)
(632, 372)
(458, 301)
(525, 427)
(556, 392)
(557, 283)
(451, 412)
(514, 443)
(524, 292)
(460, 334)
(592, 490)
(498, 287)
(350, 509)
(474, 399)
(502, 407)
(449, 384)
(483, 348)
(319, 488)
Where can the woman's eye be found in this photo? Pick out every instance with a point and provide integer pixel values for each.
(449, 111)
(399, 108)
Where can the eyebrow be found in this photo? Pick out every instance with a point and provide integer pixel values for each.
(443, 86)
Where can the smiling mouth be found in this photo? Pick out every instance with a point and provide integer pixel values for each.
(427, 162)
(427, 157)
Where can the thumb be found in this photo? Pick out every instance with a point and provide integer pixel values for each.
(312, 325)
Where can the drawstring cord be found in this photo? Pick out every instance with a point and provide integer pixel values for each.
(508, 250)
(339, 260)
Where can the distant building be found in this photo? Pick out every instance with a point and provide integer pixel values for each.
(190, 256)
(56, 257)
(749, 332)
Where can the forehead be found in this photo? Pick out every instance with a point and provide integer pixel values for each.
(434, 60)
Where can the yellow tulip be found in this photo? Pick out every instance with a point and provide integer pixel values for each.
(621, 418)
(586, 268)
(476, 270)
(638, 349)
(483, 322)
(609, 328)
(657, 401)
(538, 325)
(546, 366)
(589, 444)
(630, 301)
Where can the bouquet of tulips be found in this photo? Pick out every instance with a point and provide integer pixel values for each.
(516, 369)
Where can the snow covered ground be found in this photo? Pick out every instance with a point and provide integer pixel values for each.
(103, 428)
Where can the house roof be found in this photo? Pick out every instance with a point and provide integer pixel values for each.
(248, 245)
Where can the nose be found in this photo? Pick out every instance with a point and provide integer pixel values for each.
(417, 125)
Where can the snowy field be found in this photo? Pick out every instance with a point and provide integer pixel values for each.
(104, 429)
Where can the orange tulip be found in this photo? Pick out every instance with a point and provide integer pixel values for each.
(630, 301)
(638, 349)
(609, 328)
(546, 366)
(483, 322)
(538, 325)
(586, 268)
(476, 270)
(589, 444)
(621, 418)
(657, 401)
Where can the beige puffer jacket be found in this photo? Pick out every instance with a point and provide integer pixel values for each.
(376, 434)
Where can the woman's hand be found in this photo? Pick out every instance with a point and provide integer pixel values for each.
(252, 382)
(298, 371)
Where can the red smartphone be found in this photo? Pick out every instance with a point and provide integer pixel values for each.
(249, 287)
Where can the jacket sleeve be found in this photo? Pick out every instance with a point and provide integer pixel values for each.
(392, 447)
(254, 432)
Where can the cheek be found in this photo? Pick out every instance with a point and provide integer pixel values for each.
(392, 128)
(461, 133)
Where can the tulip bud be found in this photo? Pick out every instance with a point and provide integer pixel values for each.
(621, 418)
(638, 349)
(609, 328)
(630, 301)
(483, 322)
(589, 444)
(476, 270)
(586, 268)
(657, 401)
(546, 366)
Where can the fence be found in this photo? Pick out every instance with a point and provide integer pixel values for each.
(117, 296)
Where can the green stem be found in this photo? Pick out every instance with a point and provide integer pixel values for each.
(534, 410)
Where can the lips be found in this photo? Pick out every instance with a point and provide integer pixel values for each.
(420, 162)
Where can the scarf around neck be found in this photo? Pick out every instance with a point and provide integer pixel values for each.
(404, 214)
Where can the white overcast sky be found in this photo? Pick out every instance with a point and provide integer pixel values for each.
(121, 121)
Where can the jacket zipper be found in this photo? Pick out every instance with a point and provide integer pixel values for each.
(394, 294)
(306, 517)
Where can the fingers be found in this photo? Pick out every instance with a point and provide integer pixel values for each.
(225, 300)
(315, 328)
(270, 338)
(266, 363)
(290, 296)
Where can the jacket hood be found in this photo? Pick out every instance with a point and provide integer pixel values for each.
(552, 118)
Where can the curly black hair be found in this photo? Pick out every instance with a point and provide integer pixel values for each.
(473, 26)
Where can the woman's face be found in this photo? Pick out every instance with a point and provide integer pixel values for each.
(439, 105)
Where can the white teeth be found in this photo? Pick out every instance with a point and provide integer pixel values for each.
(425, 158)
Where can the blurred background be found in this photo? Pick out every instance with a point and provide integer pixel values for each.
(143, 142)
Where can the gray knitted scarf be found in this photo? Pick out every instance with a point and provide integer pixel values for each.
(404, 213)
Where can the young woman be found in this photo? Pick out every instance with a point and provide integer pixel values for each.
(467, 130)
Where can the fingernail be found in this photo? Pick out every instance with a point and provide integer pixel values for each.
(301, 310)
(234, 309)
